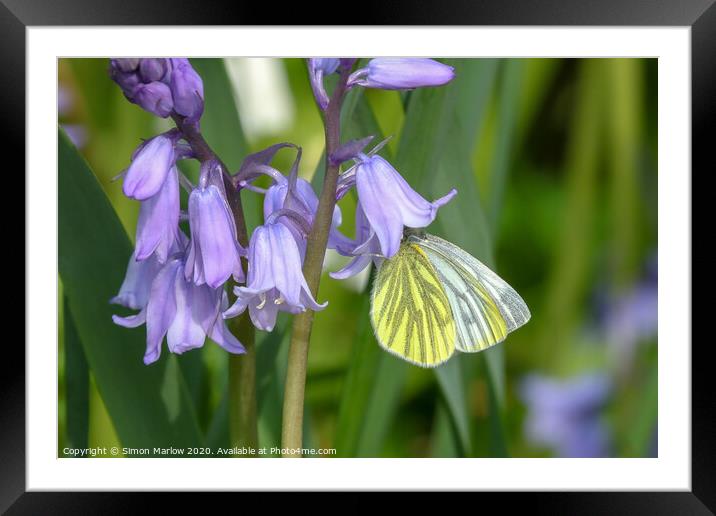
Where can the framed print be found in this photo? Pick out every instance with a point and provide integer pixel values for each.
(412, 258)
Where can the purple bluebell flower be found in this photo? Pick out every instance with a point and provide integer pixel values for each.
(275, 280)
(389, 202)
(182, 311)
(305, 203)
(155, 97)
(134, 292)
(153, 70)
(187, 90)
(158, 222)
(364, 249)
(565, 415)
(150, 165)
(214, 252)
(125, 65)
(318, 68)
(403, 73)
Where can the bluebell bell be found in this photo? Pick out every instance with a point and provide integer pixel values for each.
(153, 70)
(364, 249)
(402, 73)
(388, 201)
(182, 311)
(187, 90)
(155, 97)
(275, 280)
(158, 222)
(149, 168)
(318, 68)
(214, 252)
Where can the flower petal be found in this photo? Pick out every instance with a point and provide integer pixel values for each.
(158, 222)
(212, 231)
(186, 330)
(160, 309)
(149, 168)
(376, 188)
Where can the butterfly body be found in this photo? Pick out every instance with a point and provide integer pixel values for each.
(432, 298)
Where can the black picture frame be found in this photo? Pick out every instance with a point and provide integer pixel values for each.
(700, 15)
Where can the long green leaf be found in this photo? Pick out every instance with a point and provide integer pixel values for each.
(149, 406)
(76, 384)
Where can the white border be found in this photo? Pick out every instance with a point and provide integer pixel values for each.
(671, 471)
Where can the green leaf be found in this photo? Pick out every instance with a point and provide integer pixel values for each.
(149, 405)
(76, 384)
(507, 122)
(452, 385)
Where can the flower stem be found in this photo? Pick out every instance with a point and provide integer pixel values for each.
(243, 428)
(292, 424)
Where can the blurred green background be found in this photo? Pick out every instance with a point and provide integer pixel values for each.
(555, 164)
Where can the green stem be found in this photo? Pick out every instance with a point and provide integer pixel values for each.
(292, 424)
(243, 427)
(243, 431)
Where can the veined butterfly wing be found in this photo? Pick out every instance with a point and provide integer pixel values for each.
(410, 310)
(484, 306)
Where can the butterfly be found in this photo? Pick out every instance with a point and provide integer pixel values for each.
(432, 298)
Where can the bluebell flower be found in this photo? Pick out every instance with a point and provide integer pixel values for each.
(155, 97)
(388, 201)
(153, 70)
(363, 250)
(161, 86)
(149, 168)
(403, 73)
(158, 222)
(187, 90)
(134, 292)
(565, 415)
(182, 311)
(303, 201)
(275, 280)
(214, 252)
(318, 68)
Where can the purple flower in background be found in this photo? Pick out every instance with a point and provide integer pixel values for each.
(275, 280)
(214, 252)
(186, 313)
(150, 166)
(318, 68)
(565, 415)
(402, 73)
(158, 223)
(187, 90)
(364, 249)
(389, 202)
(633, 318)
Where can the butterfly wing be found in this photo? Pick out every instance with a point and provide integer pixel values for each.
(484, 306)
(410, 310)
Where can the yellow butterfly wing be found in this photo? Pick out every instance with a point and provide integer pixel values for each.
(485, 307)
(410, 311)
